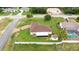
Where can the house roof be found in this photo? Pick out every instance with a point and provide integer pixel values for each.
(70, 25)
(36, 27)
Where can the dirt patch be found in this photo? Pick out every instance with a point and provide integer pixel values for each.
(21, 28)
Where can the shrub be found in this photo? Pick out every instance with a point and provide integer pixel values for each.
(77, 19)
(1, 10)
(38, 10)
(29, 15)
(47, 17)
(70, 10)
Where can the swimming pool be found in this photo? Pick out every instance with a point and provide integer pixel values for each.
(72, 35)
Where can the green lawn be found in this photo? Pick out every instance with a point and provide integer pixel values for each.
(24, 13)
(4, 13)
(15, 13)
(24, 35)
(60, 47)
(34, 47)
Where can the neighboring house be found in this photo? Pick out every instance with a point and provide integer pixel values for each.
(70, 26)
(54, 37)
(54, 11)
(40, 30)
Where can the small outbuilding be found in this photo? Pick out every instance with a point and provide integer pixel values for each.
(54, 37)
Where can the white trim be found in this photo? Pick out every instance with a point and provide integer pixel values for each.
(61, 25)
(71, 41)
(41, 33)
(67, 41)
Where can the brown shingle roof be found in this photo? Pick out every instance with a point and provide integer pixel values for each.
(36, 27)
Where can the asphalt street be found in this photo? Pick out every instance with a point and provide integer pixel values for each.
(6, 35)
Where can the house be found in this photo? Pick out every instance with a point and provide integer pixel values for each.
(70, 26)
(40, 30)
(54, 37)
(54, 11)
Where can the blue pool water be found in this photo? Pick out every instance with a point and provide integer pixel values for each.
(72, 35)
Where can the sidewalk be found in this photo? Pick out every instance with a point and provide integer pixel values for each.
(38, 43)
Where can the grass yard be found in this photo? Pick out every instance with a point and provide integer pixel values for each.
(4, 23)
(60, 47)
(24, 35)
(68, 47)
(5, 13)
(34, 47)
(15, 13)
(24, 13)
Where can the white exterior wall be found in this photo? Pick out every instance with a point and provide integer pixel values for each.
(41, 33)
(61, 25)
(54, 38)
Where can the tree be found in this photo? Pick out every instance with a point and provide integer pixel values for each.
(1, 10)
(77, 19)
(38, 10)
(70, 10)
(47, 17)
(29, 14)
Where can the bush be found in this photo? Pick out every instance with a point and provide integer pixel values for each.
(47, 17)
(77, 19)
(38, 10)
(29, 15)
(1, 10)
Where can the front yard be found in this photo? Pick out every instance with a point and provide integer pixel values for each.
(54, 47)
(24, 35)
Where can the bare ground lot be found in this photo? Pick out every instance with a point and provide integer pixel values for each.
(4, 23)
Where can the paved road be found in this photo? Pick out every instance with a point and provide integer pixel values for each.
(63, 15)
(74, 16)
(4, 38)
(39, 15)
